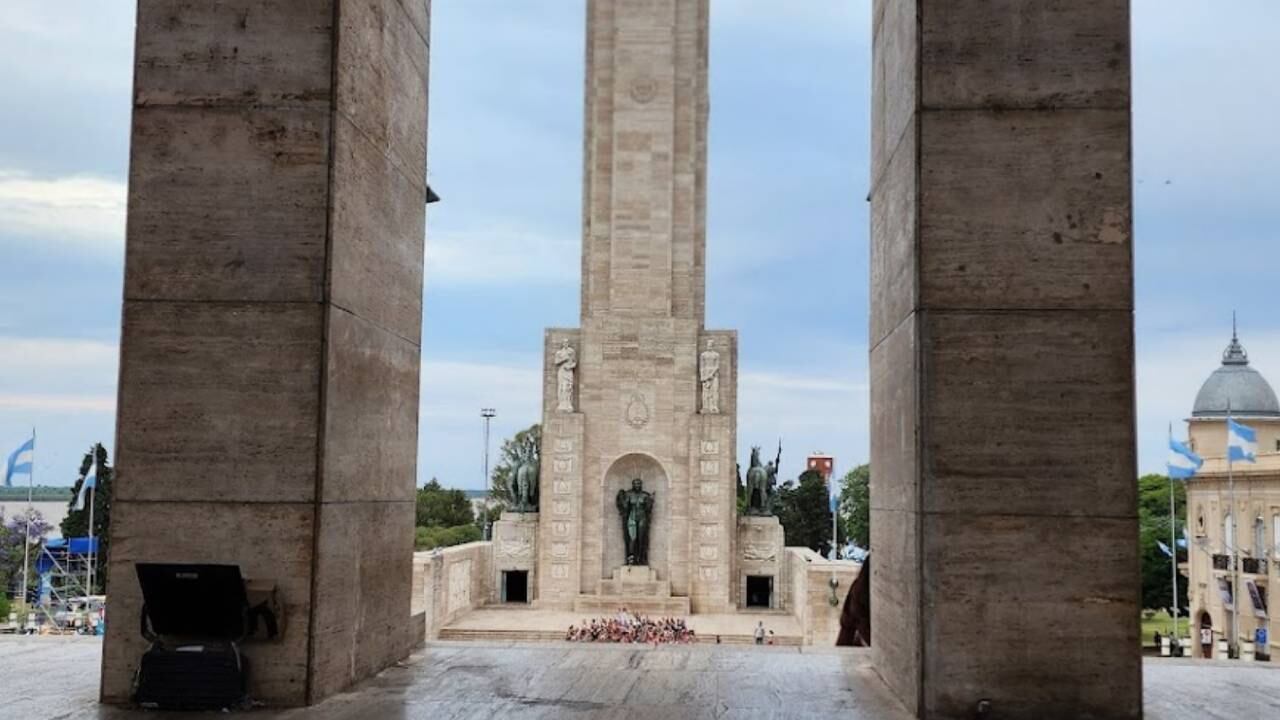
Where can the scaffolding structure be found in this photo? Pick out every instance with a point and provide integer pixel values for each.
(65, 599)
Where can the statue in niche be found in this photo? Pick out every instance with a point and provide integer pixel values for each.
(636, 508)
(762, 483)
(709, 376)
(566, 363)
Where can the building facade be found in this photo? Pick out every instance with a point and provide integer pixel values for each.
(1252, 532)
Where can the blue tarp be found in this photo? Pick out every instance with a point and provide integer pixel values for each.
(78, 546)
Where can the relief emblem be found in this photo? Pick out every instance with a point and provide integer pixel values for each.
(637, 414)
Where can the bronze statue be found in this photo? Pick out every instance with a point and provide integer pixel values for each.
(636, 508)
(762, 483)
(523, 481)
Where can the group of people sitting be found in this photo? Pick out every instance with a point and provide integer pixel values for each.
(630, 628)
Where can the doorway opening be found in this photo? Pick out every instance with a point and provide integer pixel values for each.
(515, 586)
(759, 591)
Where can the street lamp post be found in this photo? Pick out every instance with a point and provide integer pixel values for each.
(488, 414)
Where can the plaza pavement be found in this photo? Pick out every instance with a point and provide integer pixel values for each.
(52, 677)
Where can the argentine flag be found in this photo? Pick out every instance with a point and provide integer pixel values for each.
(1183, 463)
(90, 481)
(1242, 442)
(20, 461)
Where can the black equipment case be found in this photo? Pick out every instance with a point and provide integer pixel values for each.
(195, 617)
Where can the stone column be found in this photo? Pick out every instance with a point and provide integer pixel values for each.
(1003, 509)
(270, 344)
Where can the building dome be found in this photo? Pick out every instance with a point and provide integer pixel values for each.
(1237, 386)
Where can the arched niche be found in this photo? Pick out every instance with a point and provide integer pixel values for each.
(619, 476)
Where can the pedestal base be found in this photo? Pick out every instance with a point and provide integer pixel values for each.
(636, 588)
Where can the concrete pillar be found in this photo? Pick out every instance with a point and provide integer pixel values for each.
(268, 406)
(1003, 503)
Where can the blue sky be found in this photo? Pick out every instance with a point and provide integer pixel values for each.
(787, 228)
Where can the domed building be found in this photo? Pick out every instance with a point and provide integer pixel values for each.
(1237, 390)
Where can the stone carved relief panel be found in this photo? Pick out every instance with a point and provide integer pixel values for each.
(561, 487)
(754, 552)
(459, 585)
(710, 447)
(710, 467)
(515, 547)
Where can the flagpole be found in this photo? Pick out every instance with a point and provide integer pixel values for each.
(1173, 550)
(92, 497)
(1233, 649)
(26, 540)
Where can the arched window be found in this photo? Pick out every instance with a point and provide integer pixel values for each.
(1259, 548)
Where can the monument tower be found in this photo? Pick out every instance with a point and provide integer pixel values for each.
(641, 391)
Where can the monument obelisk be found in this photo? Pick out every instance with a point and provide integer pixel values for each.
(641, 391)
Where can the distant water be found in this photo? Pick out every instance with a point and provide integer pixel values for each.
(53, 512)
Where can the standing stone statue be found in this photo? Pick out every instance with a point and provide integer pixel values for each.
(709, 375)
(636, 508)
(566, 362)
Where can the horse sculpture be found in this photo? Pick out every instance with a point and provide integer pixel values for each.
(761, 483)
(524, 486)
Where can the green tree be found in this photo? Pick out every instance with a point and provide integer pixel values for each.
(804, 509)
(429, 538)
(525, 445)
(439, 507)
(12, 534)
(76, 523)
(855, 505)
(1153, 529)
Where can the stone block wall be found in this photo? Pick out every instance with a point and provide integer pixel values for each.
(1004, 518)
(453, 581)
(268, 395)
(810, 598)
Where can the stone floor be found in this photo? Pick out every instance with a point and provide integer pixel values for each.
(57, 677)
(492, 622)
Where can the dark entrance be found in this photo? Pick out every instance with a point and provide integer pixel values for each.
(515, 586)
(760, 591)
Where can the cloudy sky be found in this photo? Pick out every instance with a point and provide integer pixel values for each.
(787, 230)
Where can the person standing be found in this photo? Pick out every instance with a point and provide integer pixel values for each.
(760, 633)
(1206, 641)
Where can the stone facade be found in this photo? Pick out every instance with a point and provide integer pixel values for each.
(638, 409)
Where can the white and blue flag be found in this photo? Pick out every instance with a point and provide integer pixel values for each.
(90, 481)
(1242, 442)
(1165, 549)
(1183, 463)
(20, 461)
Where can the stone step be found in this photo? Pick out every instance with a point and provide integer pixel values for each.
(608, 605)
(640, 588)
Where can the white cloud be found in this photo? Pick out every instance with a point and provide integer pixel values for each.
(30, 402)
(500, 254)
(54, 375)
(83, 210)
